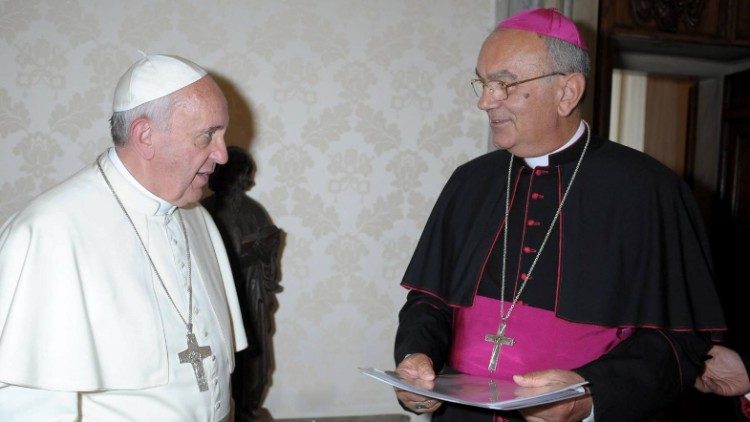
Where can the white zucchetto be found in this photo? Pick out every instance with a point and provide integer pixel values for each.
(152, 77)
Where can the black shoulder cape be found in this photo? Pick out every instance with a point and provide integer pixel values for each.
(635, 251)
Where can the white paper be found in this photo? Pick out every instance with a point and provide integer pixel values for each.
(480, 391)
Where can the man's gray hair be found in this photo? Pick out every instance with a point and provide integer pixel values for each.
(566, 57)
(158, 111)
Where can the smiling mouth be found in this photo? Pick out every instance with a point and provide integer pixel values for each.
(204, 175)
(498, 122)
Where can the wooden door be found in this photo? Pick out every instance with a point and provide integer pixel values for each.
(668, 129)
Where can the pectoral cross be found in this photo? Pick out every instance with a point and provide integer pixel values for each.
(500, 340)
(194, 355)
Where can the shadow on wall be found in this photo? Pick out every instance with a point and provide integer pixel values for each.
(241, 130)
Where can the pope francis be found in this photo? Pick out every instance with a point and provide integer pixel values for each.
(116, 297)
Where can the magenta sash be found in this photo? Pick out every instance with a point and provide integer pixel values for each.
(542, 340)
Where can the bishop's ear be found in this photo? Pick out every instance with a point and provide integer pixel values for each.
(141, 137)
(573, 87)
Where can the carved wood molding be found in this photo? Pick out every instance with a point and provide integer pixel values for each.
(668, 13)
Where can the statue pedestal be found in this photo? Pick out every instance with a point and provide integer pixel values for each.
(260, 415)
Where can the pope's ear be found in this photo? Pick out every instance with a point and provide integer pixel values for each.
(573, 87)
(141, 132)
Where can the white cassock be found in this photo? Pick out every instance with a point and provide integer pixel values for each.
(86, 328)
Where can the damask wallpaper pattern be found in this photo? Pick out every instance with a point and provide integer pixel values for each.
(355, 111)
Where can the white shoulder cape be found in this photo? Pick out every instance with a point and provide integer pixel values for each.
(78, 305)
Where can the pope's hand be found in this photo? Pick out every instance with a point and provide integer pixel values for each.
(417, 369)
(574, 409)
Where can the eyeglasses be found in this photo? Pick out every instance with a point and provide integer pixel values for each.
(499, 89)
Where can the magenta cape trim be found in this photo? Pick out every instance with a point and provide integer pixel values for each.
(542, 341)
(549, 22)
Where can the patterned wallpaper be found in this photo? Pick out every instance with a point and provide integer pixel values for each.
(355, 111)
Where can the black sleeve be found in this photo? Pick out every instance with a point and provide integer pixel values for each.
(424, 326)
(745, 356)
(644, 374)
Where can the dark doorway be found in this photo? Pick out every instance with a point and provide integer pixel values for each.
(700, 52)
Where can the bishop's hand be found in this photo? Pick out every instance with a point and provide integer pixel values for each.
(417, 368)
(574, 409)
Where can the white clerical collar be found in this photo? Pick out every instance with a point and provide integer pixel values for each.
(543, 160)
(164, 206)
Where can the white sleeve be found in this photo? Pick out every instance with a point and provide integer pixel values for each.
(20, 404)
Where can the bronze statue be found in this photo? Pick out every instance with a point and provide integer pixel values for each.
(253, 246)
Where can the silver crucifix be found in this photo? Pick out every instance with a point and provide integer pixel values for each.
(194, 355)
(500, 340)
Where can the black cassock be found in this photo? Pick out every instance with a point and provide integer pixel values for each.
(628, 250)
